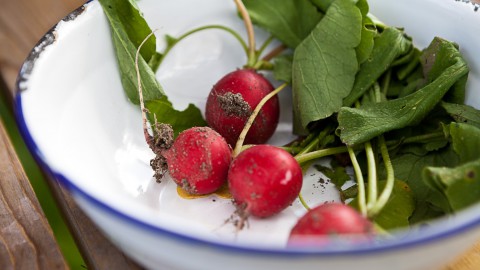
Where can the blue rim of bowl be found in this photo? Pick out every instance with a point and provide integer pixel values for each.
(415, 239)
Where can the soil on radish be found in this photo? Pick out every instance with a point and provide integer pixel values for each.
(198, 160)
(159, 143)
(233, 104)
(233, 99)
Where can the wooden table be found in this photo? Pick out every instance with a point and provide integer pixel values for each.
(26, 238)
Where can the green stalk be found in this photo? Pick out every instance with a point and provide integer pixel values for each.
(386, 82)
(372, 175)
(387, 191)
(265, 45)
(251, 54)
(206, 27)
(303, 202)
(301, 159)
(362, 205)
(248, 124)
(343, 149)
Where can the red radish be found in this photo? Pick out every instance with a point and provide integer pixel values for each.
(327, 220)
(198, 160)
(264, 180)
(233, 99)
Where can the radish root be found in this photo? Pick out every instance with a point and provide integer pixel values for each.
(162, 137)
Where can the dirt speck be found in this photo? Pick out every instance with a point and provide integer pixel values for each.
(234, 104)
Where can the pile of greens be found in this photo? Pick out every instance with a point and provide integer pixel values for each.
(358, 87)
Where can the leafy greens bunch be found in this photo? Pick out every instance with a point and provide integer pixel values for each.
(359, 88)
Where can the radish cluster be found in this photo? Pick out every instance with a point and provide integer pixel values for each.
(263, 179)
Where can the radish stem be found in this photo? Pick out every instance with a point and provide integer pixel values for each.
(387, 191)
(248, 124)
(362, 206)
(372, 175)
(206, 27)
(252, 57)
(265, 44)
(276, 51)
(148, 137)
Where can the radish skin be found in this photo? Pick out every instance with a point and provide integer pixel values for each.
(233, 99)
(327, 220)
(264, 180)
(198, 160)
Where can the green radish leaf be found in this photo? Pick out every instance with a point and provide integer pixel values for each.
(162, 111)
(462, 113)
(322, 4)
(465, 141)
(362, 124)
(399, 208)
(282, 68)
(290, 21)
(409, 167)
(369, 31)
(125, 14)
(388, 46)
(325, 64)
(460, 185)
(129, 29)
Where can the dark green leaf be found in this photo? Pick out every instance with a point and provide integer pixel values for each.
(282, 68)
(129, 29)
(362, 124)
(387, 47)
(126, 15)
(460, 185)
(322, 4)
(463, 113)
(399, 208)
(369, 31)
(325, 64)
(162, 111)
(409, 168)
(288, 20)
(465, 141)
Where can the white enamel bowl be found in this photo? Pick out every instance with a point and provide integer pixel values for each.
(79, 124)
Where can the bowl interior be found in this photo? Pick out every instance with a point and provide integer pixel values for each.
(86, 130)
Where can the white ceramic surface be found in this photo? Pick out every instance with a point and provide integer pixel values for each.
(77, 120)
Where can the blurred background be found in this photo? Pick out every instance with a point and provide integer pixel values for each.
(17, 37)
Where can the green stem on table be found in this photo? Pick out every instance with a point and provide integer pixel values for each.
(206, 27)
(251, 54)
(362, 205)
(248, 124)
